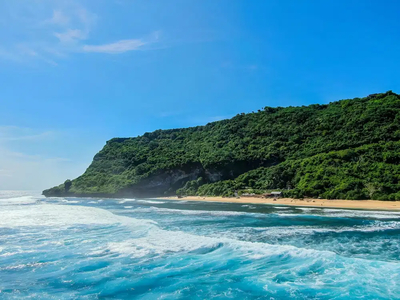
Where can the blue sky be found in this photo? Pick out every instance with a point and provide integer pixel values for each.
(76, 73)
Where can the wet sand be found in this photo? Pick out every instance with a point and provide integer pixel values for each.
(346, 204)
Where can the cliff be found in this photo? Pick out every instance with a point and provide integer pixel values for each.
(349, 149)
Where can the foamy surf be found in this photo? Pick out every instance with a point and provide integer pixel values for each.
(150, 201)
(113, 249)
(18, 201)
(60, 215)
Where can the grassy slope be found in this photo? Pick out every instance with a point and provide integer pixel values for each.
(347, 149)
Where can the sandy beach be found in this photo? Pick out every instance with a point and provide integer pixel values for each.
(346, 204)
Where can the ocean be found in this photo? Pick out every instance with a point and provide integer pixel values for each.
(75, 248)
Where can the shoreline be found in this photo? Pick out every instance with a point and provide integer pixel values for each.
(317, 203)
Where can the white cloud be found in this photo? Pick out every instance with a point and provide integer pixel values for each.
(122, 46)
(46, 31)
(58, 18)
(117, 47)
(77, 30)
(87, 18)
(71, 35)
(53, 30)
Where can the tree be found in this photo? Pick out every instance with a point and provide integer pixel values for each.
(67, 185)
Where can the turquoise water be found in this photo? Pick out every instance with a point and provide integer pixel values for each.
(72, 248)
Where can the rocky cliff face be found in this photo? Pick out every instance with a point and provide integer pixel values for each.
(161, 183)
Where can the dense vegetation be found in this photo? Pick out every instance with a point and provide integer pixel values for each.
(349, 149)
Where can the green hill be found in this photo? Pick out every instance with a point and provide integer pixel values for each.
(349, 149)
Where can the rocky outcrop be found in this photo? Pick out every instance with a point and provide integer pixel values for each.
(162, 183)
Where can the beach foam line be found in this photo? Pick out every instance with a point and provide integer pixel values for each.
(193, 212)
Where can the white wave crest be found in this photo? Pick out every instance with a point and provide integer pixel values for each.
(69, 201)
(342, 213)
(296, 230)
(6, 254)
(158, 242)
(309, 209)
(59, 215)
(126, 200)
(150, 201)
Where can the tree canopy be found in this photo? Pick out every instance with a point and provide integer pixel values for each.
(348, 149)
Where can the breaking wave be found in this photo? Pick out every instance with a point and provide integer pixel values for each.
(83, 252)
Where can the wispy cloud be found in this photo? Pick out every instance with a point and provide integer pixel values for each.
(122, 46)
(15, 133)
(57, 30)
(117, 47)
(71, 35)
(58, 18)
(79, 29)
(46, 31)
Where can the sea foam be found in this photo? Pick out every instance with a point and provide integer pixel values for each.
(229, 253)
(58, 215)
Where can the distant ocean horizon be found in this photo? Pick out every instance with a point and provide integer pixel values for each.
(76, 248)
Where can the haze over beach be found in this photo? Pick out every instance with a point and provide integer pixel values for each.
(199, 149)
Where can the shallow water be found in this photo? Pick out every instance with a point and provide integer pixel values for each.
(73, 248)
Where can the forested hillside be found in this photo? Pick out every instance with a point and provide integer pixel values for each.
(349, 149)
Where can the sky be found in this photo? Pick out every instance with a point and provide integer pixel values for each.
(74, 74)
